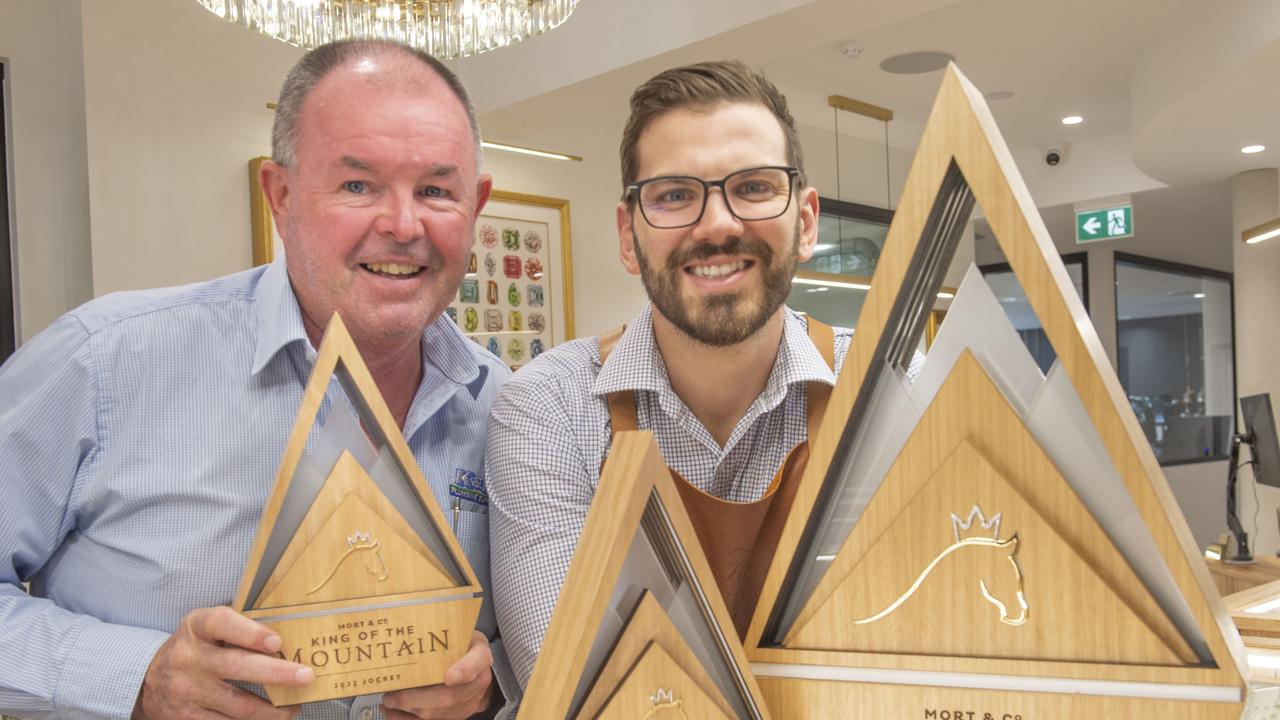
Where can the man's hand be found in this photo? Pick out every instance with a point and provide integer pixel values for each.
(187, 677)
(467, 689)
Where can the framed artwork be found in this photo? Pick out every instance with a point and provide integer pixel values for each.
(266, 241)
(517, 297)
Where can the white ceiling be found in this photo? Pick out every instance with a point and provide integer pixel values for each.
(1169, 89)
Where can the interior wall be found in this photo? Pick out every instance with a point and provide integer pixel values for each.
(42, 44)
(1255, 200)
(172, 120)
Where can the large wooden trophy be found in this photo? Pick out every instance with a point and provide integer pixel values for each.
(986, 540)
(353, 564)
(640, 631)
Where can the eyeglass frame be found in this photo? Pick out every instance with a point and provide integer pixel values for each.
(633, 194)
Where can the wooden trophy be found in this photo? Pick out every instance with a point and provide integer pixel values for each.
(353, 564)
(640, 631)
(986, 539)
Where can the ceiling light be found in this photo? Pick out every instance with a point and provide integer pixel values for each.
(946, 295)
(529, 151)
(1072, 120)
(831, 283)
(1198, 296)
(1266, 231)
(1251, 149)
(446, 29)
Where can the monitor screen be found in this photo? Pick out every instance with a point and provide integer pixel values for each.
(1260, 424)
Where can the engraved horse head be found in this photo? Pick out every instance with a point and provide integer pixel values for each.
(999, 561)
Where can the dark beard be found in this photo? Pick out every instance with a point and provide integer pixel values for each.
(721, 321)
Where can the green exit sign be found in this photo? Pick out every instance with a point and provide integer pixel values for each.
(1104, 224)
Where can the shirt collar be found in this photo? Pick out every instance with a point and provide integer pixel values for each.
(279, 318)
(280, 325)
(636, 364)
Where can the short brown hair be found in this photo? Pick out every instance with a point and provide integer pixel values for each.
(703, 85)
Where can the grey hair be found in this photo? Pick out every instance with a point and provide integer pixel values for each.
(312, 68)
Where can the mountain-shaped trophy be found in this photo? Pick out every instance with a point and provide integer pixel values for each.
(353, 564)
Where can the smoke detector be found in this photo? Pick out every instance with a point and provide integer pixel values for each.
(851, 49)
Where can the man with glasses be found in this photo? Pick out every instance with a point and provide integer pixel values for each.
(715, 217)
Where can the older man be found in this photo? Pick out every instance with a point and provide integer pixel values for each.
(140, 433)
(715, 216)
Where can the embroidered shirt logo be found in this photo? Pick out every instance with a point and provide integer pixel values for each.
(469, 486)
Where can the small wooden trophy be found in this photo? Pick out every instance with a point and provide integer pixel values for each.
(640, 631)
(986, 539)
(353, 564)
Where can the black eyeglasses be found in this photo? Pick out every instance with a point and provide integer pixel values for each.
(678, 201)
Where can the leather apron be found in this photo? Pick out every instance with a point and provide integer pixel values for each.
(739, 538)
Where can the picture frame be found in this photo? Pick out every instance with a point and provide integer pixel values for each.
(517, 297)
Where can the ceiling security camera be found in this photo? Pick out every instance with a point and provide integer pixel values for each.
(1052, 157)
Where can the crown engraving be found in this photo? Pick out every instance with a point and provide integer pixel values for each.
(957, 525)
(662, 696)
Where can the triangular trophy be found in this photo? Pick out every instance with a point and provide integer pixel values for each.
(353, 564)
(640, 630)
(986, 540)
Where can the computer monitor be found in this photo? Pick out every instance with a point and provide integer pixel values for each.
(1260, 432)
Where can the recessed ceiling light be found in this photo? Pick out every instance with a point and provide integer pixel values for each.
(1072, 120)
(915, 63)
(1251, 149)
(1198, 296)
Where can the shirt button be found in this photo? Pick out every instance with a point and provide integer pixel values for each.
(366, 714)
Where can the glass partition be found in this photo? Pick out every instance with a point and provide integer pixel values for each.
(1175, 344)
(1013, 300)
(833, 283)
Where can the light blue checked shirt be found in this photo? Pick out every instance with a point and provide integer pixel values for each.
(139, 439)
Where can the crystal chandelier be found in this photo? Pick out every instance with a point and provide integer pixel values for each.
(446, 29)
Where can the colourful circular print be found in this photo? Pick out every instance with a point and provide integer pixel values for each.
(535, 347)
(515, 349)
(537, 322)
(513, 295)
(515, 321)
(494, 347)
(532, 240)
(488, 236)
(470, 319)
(490, 264)
(533, 268)
(511, 238)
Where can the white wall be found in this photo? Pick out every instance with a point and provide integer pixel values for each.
(175, 108)
(42, 44)
(1255, 200)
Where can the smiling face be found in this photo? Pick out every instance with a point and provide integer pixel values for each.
(377, 212)
(721, 280)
